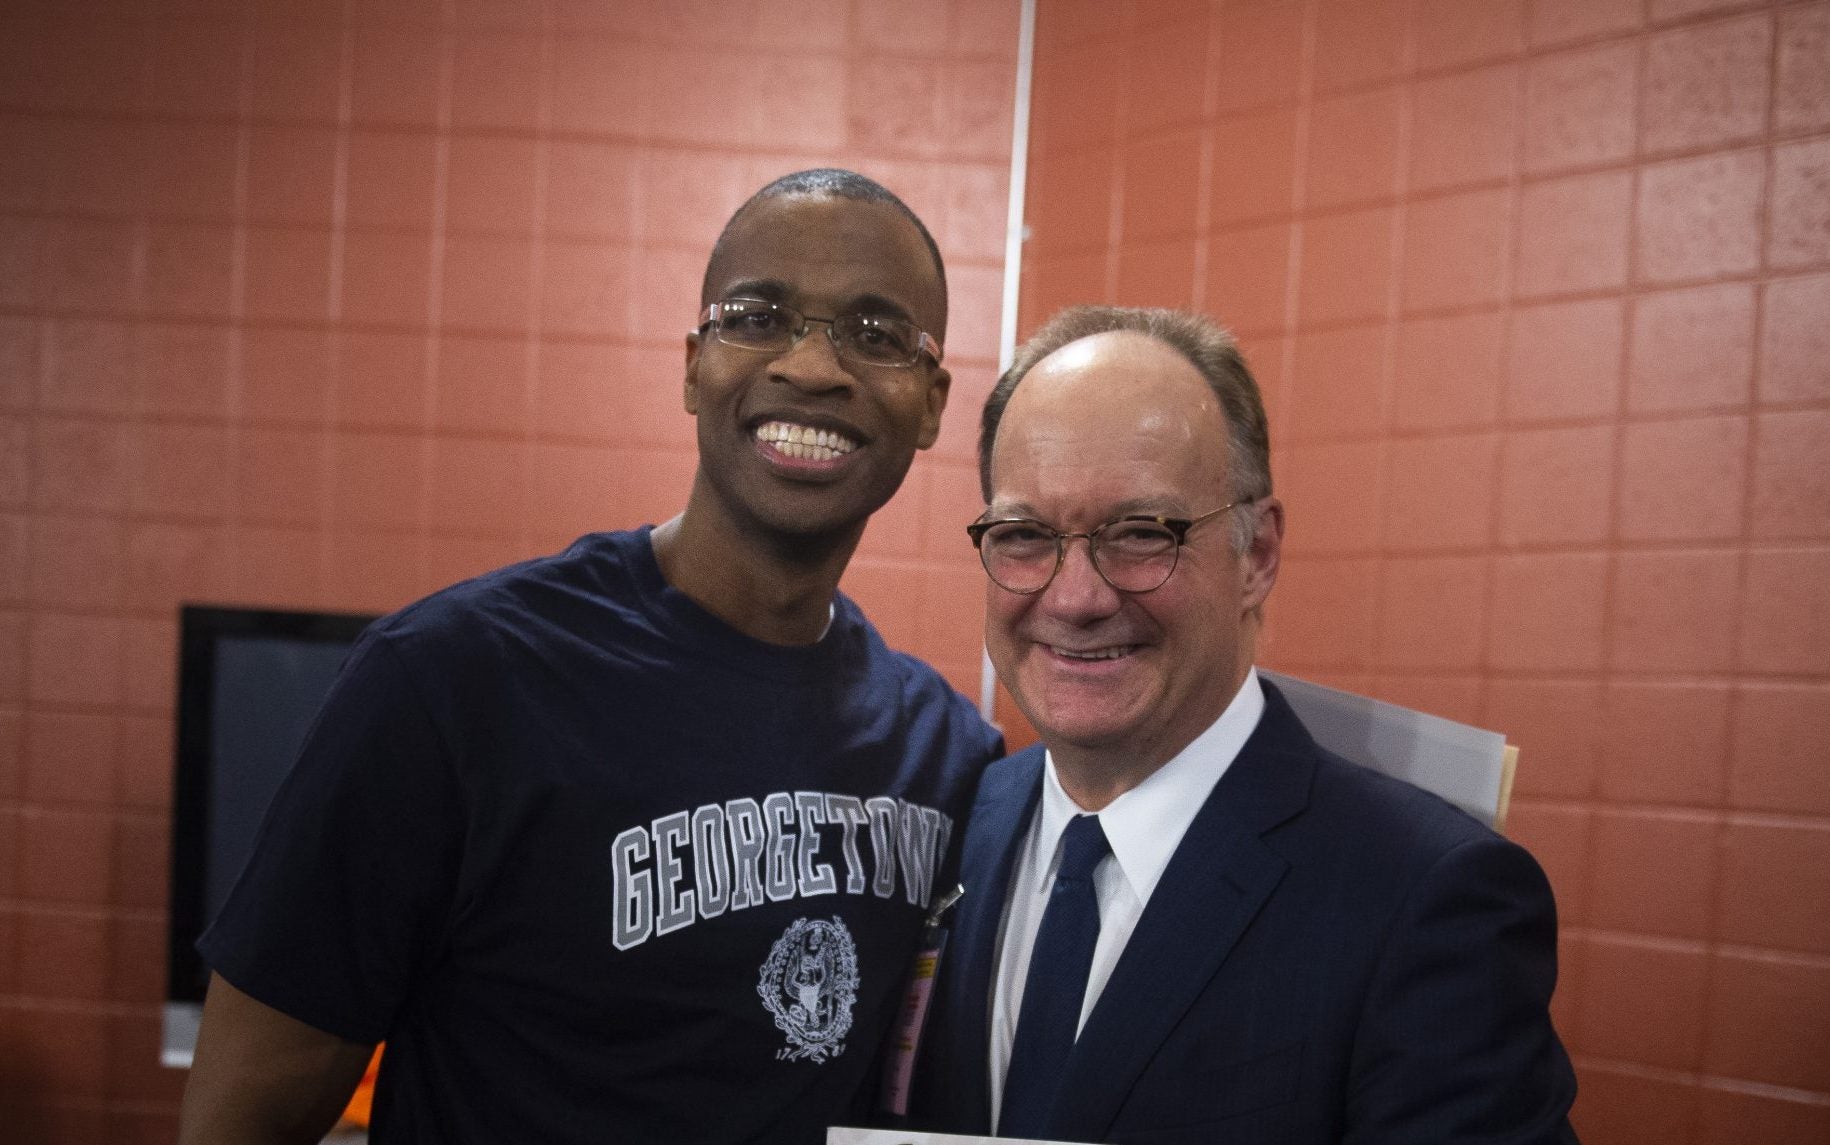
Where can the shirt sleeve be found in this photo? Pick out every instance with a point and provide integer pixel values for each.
(346, 899)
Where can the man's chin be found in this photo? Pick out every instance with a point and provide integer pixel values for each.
(814, 511)
(1086, 719)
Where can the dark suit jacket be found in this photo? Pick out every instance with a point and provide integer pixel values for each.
(1331, 956)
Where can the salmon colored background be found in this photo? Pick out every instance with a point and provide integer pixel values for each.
(327, 304)
(331, 303)
(1537, 292)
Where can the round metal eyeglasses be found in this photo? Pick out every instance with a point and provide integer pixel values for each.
(772, 328)
(1133, 554)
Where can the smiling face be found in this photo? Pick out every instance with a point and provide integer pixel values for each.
(803, 444)
(1115, 424)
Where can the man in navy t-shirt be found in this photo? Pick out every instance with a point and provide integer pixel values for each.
(632, 843)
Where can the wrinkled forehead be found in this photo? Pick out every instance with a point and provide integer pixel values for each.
(821, 251)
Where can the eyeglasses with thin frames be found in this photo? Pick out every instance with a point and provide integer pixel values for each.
(773, 328)
(1133, 554)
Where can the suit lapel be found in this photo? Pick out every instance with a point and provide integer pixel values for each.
(1006, 798)
(1221, 875)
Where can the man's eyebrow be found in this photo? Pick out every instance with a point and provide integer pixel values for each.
(877, 304)
(997, 512)
(1145, 507)
(776, 290)
(767, 289)
(1137, 507)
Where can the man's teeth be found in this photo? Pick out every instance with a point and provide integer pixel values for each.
(1112, 653)
(803, 442)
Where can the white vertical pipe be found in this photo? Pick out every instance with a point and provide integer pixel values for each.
(1013, 256)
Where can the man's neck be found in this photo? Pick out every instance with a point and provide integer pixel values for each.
(779, 594)
(1091, 780)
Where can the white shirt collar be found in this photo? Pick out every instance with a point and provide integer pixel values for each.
(1146, 823)
(1145, 826)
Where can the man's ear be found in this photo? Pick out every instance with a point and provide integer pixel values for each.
(1260, 561)
(938, 384)
(692, 383)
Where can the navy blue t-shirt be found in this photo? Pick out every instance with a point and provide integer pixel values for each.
(600, 868)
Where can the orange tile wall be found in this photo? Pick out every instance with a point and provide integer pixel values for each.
(327, 304)
(1539, 293)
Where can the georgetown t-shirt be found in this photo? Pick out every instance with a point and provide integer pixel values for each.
(599, 867)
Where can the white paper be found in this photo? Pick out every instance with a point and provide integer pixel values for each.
(1463, 764)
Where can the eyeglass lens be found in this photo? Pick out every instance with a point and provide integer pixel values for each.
(1133, 556)
(874, 339)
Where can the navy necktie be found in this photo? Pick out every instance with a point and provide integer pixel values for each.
(1056, 986)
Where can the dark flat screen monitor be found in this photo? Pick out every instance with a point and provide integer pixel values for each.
(250, 681)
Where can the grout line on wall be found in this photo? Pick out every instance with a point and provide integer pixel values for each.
(1299, 177)
(536, 274)
(235, 364)
(1718, 891)
(435, 293)
(1205, 173)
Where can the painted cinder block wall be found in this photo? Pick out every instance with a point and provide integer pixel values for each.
(1539, 293)
(327, 304)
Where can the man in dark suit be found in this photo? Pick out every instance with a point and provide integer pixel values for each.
(1184, 920)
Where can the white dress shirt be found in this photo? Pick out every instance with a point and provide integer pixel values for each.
(1144, 826)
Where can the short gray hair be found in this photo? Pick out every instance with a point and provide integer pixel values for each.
(1207, 346)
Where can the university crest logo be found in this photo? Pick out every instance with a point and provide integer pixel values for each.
(810, 984)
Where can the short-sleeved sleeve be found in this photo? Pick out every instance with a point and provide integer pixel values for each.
(350, 887)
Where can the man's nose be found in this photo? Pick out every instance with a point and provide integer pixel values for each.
(1079, 592)
(812, 363)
